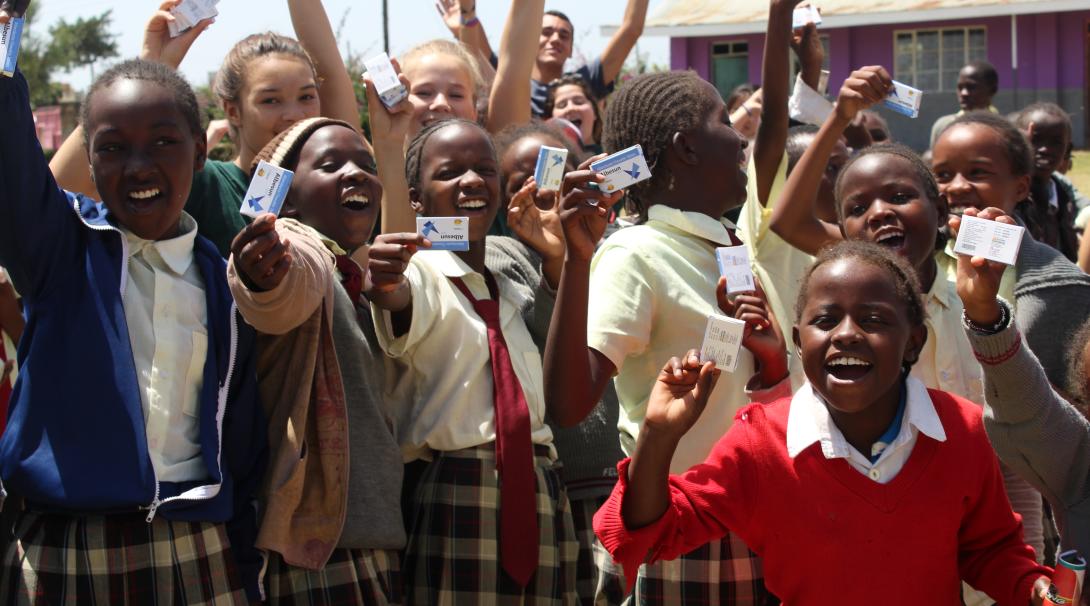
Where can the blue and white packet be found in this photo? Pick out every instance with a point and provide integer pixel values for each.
(549, 173)
(622, 169)
(445, 233)
(11, 33)
(268, 190)
(388, 86)
(904, 100)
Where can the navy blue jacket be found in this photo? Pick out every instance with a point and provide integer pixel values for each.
(75, 439)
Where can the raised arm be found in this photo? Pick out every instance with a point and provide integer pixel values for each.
(772, 134)
(460, 17)
(315, 34)
(69, 163)
(793, 217)
(509, 102)
(389, 128)
(623, 40)
(575, 374)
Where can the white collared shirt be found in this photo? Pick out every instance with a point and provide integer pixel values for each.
(167, 316)
(441, 393)
(808, 421)
(947, 361)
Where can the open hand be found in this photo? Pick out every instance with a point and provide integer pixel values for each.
(538, 228)
(864, 88)
(978, 278)
(261, 255)
(159, 46)
(680, 394)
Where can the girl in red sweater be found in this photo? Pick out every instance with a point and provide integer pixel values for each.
(863, 487)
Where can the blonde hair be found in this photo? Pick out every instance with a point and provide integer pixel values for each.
(456, 50)
(231, 76)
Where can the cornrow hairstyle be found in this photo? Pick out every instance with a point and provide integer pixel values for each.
(648, 111)
(986, 72)
(1077, 378)
(902, 275)
(455, 50)
(581, 82)
(139, 69)
(799, 139)
(1014, 142)
(511, 135)
(231, 77)
(415, 152)
(1023, 118)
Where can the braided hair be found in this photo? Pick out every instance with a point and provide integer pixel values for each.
(648, 111)
(905, 282)
(414, 154)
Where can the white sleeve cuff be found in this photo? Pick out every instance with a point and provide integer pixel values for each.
(807, 105)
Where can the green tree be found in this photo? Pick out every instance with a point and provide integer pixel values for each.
(35, 63)
(82, 43)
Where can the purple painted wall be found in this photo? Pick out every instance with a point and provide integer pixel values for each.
(1051, 50)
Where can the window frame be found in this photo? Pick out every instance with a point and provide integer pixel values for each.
(967, 30)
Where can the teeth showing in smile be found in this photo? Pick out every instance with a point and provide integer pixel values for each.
(473, 204)
(145, 194)
(893, 233)
(848, 361)
(357, 199)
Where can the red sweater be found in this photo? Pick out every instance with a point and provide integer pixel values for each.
(828, 534)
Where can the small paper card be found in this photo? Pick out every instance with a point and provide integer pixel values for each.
(10, 35)
(803, 15)
(904, 100)
(549, 173)
(734, 266)
(989, 239)
(622, 169)
(445, 233)
(390, 89)
(189, 13)
(267, 191)
(722, 342)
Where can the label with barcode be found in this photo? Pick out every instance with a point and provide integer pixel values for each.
(722, 342)
(734, 266)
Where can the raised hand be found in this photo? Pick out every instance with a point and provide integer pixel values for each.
(864, 88)
(388, 125)
(159, 46)
(680, 394)
(584, 210)
(387, 260)
(762, 336)
(537, 228)
(451, 12)
(978, 278)
(10, 9)
(261, 255)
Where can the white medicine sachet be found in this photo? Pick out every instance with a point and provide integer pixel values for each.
(722, 342)
(622, 169)
(549, 172)
(388, 86)
(267, 190)
(989, 239)
(445, 233)
(189, 13)
(803, 15)
(734, 266)
(11, 33)
(904, 100)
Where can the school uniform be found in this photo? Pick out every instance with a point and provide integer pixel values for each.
(652, 290)
(779, 266)
(133, 432)
(447, 402)
(331, 523)
(901, 526)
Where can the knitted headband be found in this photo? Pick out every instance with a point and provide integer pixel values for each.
(285, 147)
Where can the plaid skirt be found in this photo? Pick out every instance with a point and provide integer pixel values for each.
(599, 581)
(453, 551)
(351, 577)
(118, 559)
(719, 573)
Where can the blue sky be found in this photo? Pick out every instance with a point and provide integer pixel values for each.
(411, 21)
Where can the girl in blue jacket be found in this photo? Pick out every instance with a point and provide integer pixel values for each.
(135, 433)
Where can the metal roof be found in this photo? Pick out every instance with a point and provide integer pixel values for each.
(689, 18)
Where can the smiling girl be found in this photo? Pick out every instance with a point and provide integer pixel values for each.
(902, 491)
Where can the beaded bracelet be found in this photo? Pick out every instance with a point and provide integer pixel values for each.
(1004, 320)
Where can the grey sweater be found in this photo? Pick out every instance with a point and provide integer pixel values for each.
(1035, 431)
